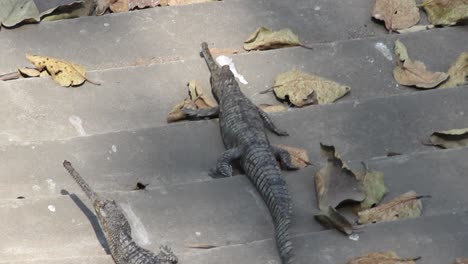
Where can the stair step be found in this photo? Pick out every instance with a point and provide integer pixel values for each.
(133, 98)
(221, 212)
(74, 260)
(184, 152)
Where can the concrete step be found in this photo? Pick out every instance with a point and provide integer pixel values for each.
(133, 98)
(184, 152)
(221, 212)
(166, 34)
(74, 260)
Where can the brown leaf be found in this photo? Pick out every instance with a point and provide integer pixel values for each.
(201, 246)
(303, 89)
(454, 138)
(446, 12)
(335, 183)
(415, 74)
(407, 205)
(462, 261)
(299, 157)
(386, 257)
(132, 4)
(119, 6)
(397, 14)
(268, 108)
(331, 218)
(264, 38)
(458, 72)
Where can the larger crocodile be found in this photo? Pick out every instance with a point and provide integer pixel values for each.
(117, 229)
(242, 127)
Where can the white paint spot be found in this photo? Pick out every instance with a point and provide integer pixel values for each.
(33, 147)
(225, 60)
(106, 24)
(138, 229)
(384, 50)
(317, 8)
(198, 233)
(50, 184)
(108, 158)
(77, 124)
(51, 208)
(354, 237)
(83, 31)
(114, 148)
(36, 188)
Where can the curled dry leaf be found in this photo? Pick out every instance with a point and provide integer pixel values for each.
(331, 218)
(197, 100)
(458, 72)
(374, 188)
(415, 29)
(264, 38)
(303, 89)
(268, 108)
(407, 205)
(455, 138)
(415, 74)
(400, 51)
(182, 2)
(397, 14)
(299, 157)
(386, 257)
(446, 12)
(336, 183)
(63, 72)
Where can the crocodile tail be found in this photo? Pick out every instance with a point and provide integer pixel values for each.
(264, 172)
(81, 182)
(209, 58)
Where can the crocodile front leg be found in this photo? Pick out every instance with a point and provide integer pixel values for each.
(223, 165)
(284, 158)
(268, 123)
(212, 112)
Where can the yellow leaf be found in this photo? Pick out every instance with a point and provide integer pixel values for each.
(446, 12)
(63, 72)
(29, 72)
(458, 72)
(268, 108)
(454, 138)
(264, 38)
(387, 257)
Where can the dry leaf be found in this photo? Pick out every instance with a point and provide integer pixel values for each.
(462, 261)
(119, 6)
(63, 72)
(268, 108)
(387, 257)
(455, 138)
(416, 28)
(302, 89)
(331, 218)
(299, 157)
(215, 52)
(374, 188)
(263, 39)
(201, 246)
(197, 100)
(407, 205)
(458, 72)
(183, 2)
(397, 14)
(335, 183)
(446, 12)
(29, 72)
(132, 4)
(415, 74)
(400, 51)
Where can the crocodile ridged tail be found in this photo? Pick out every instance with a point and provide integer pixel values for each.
(264, 172)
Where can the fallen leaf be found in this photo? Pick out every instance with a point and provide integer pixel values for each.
(454, 138)
(119, 6)
(197, 100)
(462, 261)
(63, 72)
(102, 6)
(397, 14)
(336, 183)
(400, 51)
(374, 188)
(303, 89)
(183, 2)
(132, 4)
(85, 8)
(268, 108)
(415, 74)
(10, 76)
(446, 12)
(264, 38)
(201, 246)
(299, 157)
(29, 72)
(416, 28)
(407, 205)
(386, 257)
(458, 72)
(215, 52)
(331, 218)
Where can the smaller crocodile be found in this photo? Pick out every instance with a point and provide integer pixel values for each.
(117, 229)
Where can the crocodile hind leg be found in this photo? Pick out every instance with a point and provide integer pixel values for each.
(268, 123)
(284, 158)
(211, 112)
(223, 165)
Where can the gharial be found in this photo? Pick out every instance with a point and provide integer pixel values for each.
(117, 231)
(242, 127)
